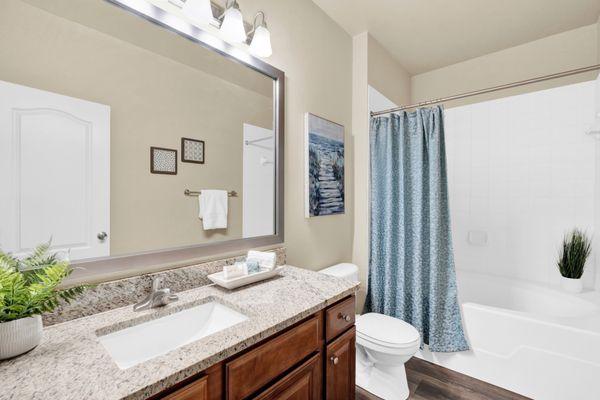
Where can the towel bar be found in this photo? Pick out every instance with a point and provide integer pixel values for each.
(189, 192)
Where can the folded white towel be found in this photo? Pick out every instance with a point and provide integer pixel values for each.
(265, 259)
(213, 209)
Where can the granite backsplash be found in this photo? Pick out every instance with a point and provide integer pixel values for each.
(119, 293)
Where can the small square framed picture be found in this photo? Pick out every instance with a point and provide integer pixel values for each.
(163, 161)
(192, 150)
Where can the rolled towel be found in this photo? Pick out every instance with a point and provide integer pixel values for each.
(265, 259)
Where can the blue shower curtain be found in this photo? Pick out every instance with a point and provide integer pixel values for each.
(411, 266)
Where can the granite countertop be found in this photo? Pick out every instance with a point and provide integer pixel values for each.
(70, 363)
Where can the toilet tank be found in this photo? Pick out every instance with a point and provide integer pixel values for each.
(343, 270)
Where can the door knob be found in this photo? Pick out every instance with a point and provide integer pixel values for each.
(335, 360)
(102, 236)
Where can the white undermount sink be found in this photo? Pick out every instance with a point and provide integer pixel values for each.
(139, 343)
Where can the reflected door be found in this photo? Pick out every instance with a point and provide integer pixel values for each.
(55, 172)
(259, 182)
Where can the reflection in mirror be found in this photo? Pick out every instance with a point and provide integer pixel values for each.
(106, 120)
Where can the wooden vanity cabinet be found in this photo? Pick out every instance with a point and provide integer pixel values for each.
(312, 360)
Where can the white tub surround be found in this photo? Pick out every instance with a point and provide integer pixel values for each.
(521, 173)
(534, 340)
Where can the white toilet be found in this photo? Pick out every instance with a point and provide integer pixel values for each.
(383, 345)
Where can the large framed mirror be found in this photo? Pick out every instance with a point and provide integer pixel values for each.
(132, 138)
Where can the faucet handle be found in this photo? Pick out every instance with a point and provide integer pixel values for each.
(156, 283)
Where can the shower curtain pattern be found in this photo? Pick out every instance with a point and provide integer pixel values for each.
(411, 265)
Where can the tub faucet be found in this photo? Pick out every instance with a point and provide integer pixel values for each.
(156, 298)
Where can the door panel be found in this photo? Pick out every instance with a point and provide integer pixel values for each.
(259, 182)
(340, 367)
(304, 383)
(55, 168)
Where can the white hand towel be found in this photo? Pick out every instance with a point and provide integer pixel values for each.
(213, 209)
(265, 259)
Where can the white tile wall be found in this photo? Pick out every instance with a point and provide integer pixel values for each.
(521, 170)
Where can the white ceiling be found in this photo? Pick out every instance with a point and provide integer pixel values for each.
(428, 34)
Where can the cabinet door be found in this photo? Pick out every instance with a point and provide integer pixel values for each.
(304, 383)
(197, 390)
(340, 367)
(252, 371)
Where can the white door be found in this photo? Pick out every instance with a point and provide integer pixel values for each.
(259, 182)
(54, 172)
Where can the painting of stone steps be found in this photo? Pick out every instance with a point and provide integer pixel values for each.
(325, 167)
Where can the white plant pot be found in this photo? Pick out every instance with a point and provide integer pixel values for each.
(20, 336)
(571, 285)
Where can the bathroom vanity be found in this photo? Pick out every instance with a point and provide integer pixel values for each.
(297, 340)
(311, 359)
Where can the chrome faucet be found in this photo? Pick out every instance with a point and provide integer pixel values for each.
(156, 298)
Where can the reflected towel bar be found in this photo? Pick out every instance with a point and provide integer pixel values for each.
(189, 192)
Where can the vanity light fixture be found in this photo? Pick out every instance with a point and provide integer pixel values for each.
(199, 11)
(232, 25)
(260, 37)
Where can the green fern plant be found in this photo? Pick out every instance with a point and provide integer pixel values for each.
(576, 248)
(29, 286)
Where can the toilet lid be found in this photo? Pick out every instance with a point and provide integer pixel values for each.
(386, 331)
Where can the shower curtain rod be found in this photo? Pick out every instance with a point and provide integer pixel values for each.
(490, 89)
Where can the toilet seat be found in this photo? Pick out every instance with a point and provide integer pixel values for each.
(386, 333)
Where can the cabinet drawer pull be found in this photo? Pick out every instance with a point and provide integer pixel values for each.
(345, 317)
(335, 360)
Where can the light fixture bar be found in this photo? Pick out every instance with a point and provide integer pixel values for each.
(217, 9)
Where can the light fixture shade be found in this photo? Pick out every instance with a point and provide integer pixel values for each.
(232, 28)
(198, 11)
(261, 42)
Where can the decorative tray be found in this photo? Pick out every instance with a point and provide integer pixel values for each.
(244, 280)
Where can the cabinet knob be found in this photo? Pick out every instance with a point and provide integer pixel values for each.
(335, 360)
(102, 236)
(345, 317)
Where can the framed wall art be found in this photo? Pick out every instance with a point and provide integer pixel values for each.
(192, 150)
(163, 161)
(324, 180)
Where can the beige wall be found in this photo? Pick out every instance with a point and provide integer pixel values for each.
(154, 101)
(567, 50)
(372, 66)
(316, 56)
(387, 75)
(360, 121)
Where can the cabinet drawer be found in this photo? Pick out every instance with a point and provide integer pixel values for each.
(339, 318)
(253, 370)
(197, 390)
(304, 383)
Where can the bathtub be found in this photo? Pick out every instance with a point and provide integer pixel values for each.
(533, 340)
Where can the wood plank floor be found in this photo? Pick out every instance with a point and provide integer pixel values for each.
(428, 381)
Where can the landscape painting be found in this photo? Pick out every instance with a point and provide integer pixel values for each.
(325, 167)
